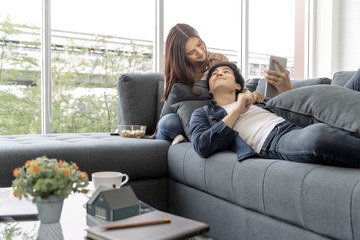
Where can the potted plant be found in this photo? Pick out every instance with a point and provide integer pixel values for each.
(48, 182)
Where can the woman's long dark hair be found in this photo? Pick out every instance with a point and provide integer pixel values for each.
(176, 69)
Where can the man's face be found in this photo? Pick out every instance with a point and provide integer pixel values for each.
(223, 79)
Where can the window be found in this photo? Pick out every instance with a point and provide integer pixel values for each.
(271, 32)
(20, 67)
(216, 27)
(95, 43)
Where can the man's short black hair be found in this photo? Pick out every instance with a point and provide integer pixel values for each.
(238, 77)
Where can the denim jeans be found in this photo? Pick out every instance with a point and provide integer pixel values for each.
(169, 127)
(316, 143)
(354, 81)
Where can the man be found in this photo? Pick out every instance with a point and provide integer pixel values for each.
(239, 121)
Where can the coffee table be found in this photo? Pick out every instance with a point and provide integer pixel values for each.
(73, 223)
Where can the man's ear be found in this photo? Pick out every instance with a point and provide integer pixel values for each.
(238, 87)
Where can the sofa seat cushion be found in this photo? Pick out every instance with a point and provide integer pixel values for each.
(322, 199)
(139, 158)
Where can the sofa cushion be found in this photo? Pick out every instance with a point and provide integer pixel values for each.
(334, 105)
(342, 77)
(296, 83)
(92, 152)
(181, 92)
(184, 109)
(139, 99)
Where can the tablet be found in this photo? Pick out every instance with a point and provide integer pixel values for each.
(270, 90)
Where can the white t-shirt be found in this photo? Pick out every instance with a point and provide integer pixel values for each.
(254, 125)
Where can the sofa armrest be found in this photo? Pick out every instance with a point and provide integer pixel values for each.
(140, 99)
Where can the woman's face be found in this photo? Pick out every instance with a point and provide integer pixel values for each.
(195, 50)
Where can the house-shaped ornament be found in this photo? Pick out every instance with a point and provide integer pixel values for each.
(113, 203)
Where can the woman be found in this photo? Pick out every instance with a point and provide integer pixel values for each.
(186, 61)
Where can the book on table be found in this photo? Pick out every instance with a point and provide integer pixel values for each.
(177, 228)
(11, 206)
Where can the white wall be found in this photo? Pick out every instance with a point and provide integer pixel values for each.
(349, 32)
(336, 37)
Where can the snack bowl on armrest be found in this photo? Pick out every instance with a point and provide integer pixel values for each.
(132, 131)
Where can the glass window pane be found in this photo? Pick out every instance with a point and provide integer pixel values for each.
(93, 43)
(219, 25)
(20, 77)
(271, 32)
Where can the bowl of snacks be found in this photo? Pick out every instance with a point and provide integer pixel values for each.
(132, 131)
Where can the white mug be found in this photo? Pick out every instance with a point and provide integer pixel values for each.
(109, 179)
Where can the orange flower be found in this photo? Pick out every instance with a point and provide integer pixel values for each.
(76, 166)
(61, 163)
(84, 175)
(28, 162)
(16, 172)
(56, 168)
(15, 195)
(35, 169)
(66, 172)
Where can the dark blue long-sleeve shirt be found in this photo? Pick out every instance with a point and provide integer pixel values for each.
(209, 134)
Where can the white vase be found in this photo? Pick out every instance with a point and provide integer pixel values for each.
(49, 209)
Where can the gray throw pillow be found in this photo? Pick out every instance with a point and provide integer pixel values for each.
(181, 92)
(334, 105)
(184, 109)
(137, 99)
(296, 83)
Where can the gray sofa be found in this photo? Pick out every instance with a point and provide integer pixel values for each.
(252, 199)
(255, 198)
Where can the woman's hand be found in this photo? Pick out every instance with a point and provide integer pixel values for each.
(280, 80)
(257, 97)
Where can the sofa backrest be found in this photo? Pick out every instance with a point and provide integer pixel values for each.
(342, 77)
(140, 95)
(140, 99)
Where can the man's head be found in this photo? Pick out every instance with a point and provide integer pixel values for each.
(225, 75)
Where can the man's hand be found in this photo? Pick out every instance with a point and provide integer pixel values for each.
(257, 97)
(244, 101)
(280, 80)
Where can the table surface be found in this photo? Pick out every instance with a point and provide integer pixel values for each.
(73, 223)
